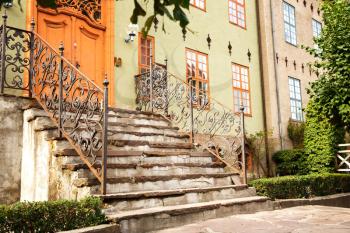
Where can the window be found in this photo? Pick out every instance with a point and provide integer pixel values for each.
(289, 23)
(316, 28)
(241, 88)
(198, 3)
(197, 69)
(146, 51)
(236, 10)
(295, 99)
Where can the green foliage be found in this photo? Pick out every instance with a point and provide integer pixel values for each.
(296, 133)
(287, 187)
(51, 216)
(320, 141)
(331, 92)
(291, 162)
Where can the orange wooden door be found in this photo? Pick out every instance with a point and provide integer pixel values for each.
(83, 44)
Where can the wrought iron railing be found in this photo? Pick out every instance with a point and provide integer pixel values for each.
(343, 158)
(77, 105)
(212, 126)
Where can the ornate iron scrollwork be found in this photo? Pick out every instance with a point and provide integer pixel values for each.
(215, 127)
(90, 8)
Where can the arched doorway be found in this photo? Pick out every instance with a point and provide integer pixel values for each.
(86, 29)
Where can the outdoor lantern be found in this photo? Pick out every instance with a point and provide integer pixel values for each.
(132, 30)
(8, 4)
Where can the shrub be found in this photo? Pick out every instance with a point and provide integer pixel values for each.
(296, 133)
(51, 216)
(320, 141)
(307, 186)
(290, 162)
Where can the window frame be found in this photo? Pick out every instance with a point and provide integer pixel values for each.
(195, 6)
(197, 79)
(295, 99)
(317, 23)
(141, 36)
(245, 13)
(285, 23)
(241, 90)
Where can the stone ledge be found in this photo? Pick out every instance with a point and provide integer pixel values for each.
(337, 200)
(106, 228)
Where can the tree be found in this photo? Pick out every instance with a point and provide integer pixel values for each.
(160, 7)
(331, 92)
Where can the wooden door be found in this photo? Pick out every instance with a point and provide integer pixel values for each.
(83, 44)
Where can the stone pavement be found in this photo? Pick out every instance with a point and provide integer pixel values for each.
(302, 219)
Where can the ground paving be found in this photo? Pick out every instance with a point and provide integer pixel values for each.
(302, 219)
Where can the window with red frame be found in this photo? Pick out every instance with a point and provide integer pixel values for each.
(198, 3)
(146, 50)
(197, 70)
(241, 88)
(237, 14)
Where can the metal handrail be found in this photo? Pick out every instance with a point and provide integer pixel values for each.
(162, 92)
(75, 104)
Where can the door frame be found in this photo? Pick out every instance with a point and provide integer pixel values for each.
(108, 10)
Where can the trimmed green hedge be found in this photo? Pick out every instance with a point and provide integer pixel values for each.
(287, 187)
(291, 162)
(51, 216)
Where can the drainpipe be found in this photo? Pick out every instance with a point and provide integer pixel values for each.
(276, 76)
(262, 88)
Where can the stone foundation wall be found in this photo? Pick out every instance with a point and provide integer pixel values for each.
(11, 137)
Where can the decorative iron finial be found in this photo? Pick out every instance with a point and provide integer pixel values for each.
(4, 16)
(312, 7)
(249, 54)
(209, 41)
(229, 48)
(295, 65)
(302, 67)
(105, 81)
(32, 24)
(61, 48)
(184, 32)
(155, 21)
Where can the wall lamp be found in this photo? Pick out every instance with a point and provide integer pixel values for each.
(132, 30)
(8, 4)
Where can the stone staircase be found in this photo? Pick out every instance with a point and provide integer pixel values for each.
(156, 179)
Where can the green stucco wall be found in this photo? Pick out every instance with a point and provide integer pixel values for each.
(170, 45)
(16, 17)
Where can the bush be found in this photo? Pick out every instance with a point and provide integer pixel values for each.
(296, 133)
(51, 216)
(307, 186)
(320, 141)
(290, 162)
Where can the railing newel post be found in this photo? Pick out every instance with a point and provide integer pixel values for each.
(60, 94)
(191, 109)
(105, 137)
(3, 52)
(244, 165)
(31, 59)
(151, 82)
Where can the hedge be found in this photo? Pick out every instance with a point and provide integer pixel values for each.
(287, 187)
(51, 216)
(291, 162)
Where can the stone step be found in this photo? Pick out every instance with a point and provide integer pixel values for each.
(152, 219)
(148, 169)
(149, 183)
(151, 199)
(128, 135)
(142, 128)
(149, 145)
(138, 120)
(127, 157)
(128, 112)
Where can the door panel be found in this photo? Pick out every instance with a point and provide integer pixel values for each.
(89, 51)
(56, 29)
